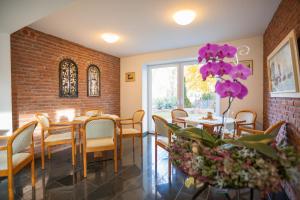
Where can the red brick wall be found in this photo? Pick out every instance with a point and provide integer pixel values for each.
(286, 18)
(35, 80)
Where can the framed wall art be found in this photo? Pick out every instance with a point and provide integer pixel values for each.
(93, 81)
(283, 68)
(247, 63)
(130, 76)
(68, 79)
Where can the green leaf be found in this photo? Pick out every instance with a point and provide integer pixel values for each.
(263, 148)
(261, 138)
(173, 127)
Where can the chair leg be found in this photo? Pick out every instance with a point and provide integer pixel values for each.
(169, 167)
(49, 152)
(121, 147)
(116, 159)
(155, 157)
(84, 163)
(133, 143)
(10, 182)
(32, 172)
(73, 152)
(43, 155)
(141, 144)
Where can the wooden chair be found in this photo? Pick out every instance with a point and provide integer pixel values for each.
(249, 120)
(176, 114)
(274, 129)
(13, 158)
(136, 131)
(48, 140)
(99, 134)
(162, 138)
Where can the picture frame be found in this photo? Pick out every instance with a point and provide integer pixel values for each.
(93, 81)
(247, 63)
(129, 76)
(283, 68)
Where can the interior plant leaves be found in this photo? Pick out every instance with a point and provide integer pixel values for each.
(262, 138)
(260, 147)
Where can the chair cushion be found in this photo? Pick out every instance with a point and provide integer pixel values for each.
(17, 159)
(59, 137)
(163, 140)
(129, 131)
(99, 142)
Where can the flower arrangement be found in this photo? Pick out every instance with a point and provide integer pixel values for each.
(213, 161)
(253, 161)
(229, 75)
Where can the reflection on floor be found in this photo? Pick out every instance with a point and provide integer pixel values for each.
(135, 180)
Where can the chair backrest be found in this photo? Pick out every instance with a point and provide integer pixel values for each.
(176, 113)
(93, 113)
(161, 126)
(43, 120)
(22, 137)
(246, 115)
(100, 127)
(138, 116)
(274, 129)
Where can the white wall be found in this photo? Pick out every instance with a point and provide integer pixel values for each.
(5, 83)
(131, 92)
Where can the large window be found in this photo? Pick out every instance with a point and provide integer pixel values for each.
(179, 85)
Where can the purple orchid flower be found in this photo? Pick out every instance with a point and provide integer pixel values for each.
(208, 69)
(228, 89)
(208, 51)
(240, 71)
(243, 92)
(223, 68)
(227, 51)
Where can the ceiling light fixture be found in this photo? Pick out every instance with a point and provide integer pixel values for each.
(184, 17)
(110, 37)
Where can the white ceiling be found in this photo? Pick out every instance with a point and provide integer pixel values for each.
(147, 25)
(15, 14)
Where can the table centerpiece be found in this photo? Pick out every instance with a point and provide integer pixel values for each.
(253, 161)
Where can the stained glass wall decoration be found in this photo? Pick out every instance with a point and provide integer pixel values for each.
(93, 77)
(68, 79)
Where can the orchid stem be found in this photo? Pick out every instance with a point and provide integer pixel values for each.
(230, 100)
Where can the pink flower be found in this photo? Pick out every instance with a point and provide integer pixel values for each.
(243, 92)
(228, 88)
(227, 51)
(208, 51)
(223, 68)
(209, 68)
(240, 71)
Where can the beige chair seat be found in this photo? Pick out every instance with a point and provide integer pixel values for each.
(59, 137)
(129, 131)
(17, 159)
(100, 142)
(164, 140)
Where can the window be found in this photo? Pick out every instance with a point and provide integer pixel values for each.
(179, 85)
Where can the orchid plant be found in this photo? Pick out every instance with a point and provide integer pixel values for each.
(229, 75)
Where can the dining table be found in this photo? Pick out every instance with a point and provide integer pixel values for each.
(210, 124)
(4, 136)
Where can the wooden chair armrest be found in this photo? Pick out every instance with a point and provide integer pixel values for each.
(178, 120)
(129, 123)
(251, 130)
(60, 124)
(4, 137)
(2, 148)
(125, 119)
(54, 128)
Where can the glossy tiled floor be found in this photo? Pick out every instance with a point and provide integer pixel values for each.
(136, 178)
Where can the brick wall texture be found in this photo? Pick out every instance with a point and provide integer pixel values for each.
(35, 60)
(286, 18)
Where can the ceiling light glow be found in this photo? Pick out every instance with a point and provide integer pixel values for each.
(184, 17)
(110, 37)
